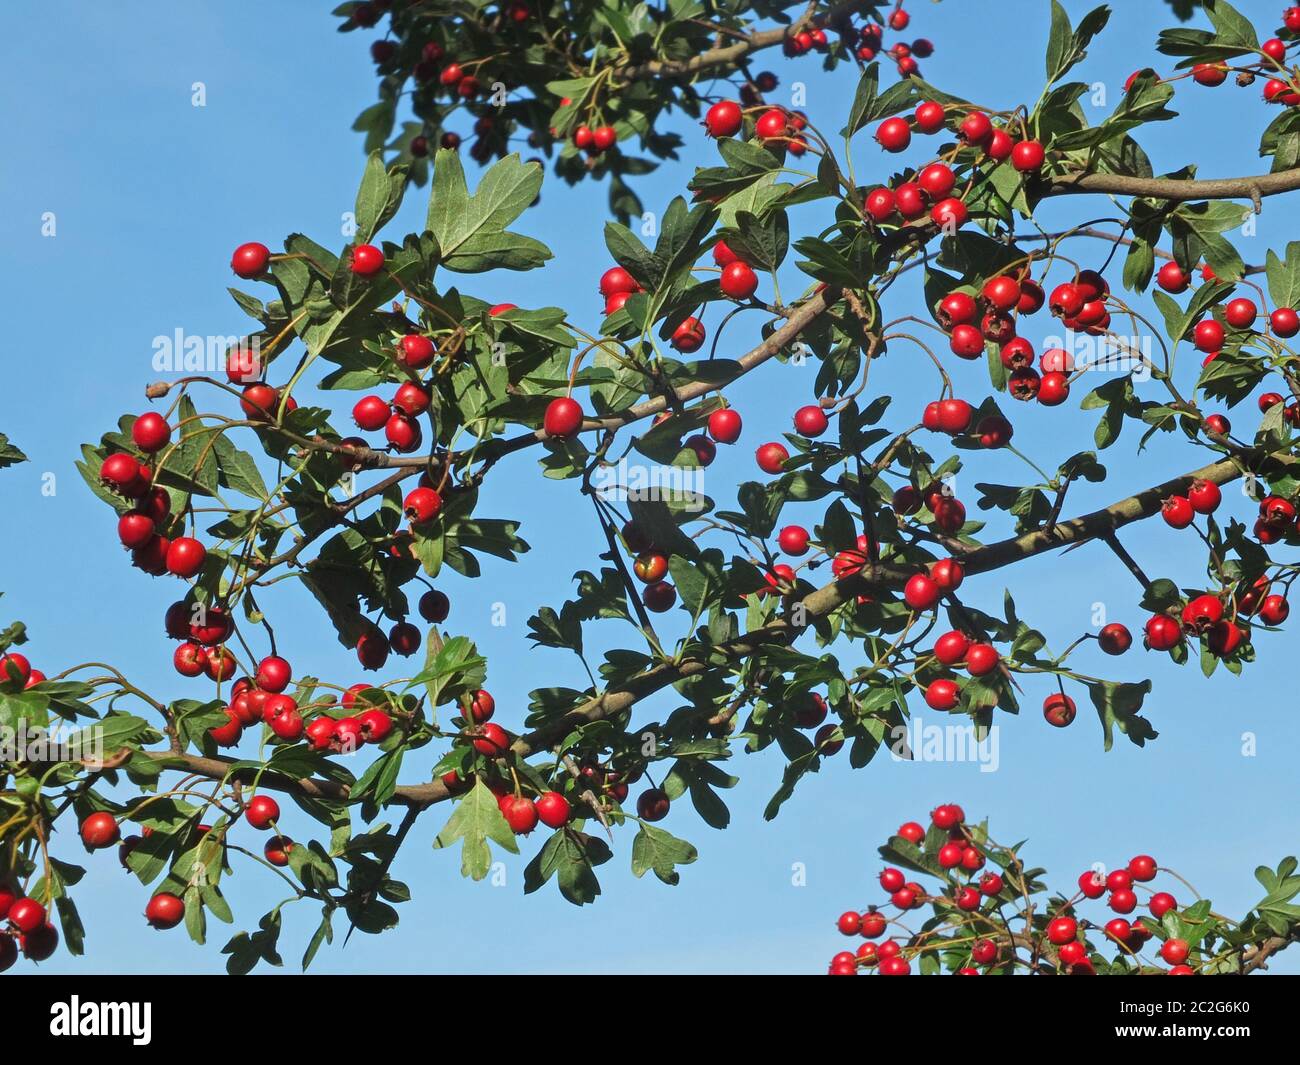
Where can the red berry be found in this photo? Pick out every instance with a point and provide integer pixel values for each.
(1163, 633)
(725, 425)
(151, 432)
(249, 260)
(99, 830)
(1161, 903)
(422, 505)
(1115, 638)
(921, 592)
(738, 280)
(1058, 710)
(930, 117)
(937, 180)
(134, 529)
(1174, 951)
(942, 694)
(370, 413)
(164, 911)
(976, 128)
(894, 134)
(1284, 322)
(652, 805)
(810, 421)
(1177, 512)
(563, 418)
(185, 556)
(492, 740)
(1061, 930)
(1027, 156)
(1240, 313)
(949, 213)
(771, 457)
(261, 811)
(553, 809)
(1208, 335)
(616, 280)
(723, 119)
(981, 659)
(793, 540)
(367, 260)
(1171, 278)
(688, 336)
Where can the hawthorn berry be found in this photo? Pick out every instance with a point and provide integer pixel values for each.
(976, 128)
(725, 425)
(563, 418)
(738, 280)
(164, 911)
(1240, 313)
(652, 805)
(99, 830)
(273, 674)
(367, 260)
(1284, 322)
(185, 556)
(921, 592)
(370, 413)
(1177, 512)
(1172, 278)
(1115, 638)
(250, 260)
(688, 336)
(1062, 930)
(894, 134)
(892, 880)
(261, 811)
(1059, 709)
(793, 540)
(1204, 496)
(723, 119)
(422, 505)
(553, 809)
(1162, 633)
(930, 116)
(151, 432)
(1027, 156)
(771, 457)
(1161, 903)
(810, 421)
(1208, 335)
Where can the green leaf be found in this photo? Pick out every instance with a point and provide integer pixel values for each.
(9, 455)
(1117, 706)
(660, 851)
(379, 196)
(472, 230)
(477, 819)
(1066, 47)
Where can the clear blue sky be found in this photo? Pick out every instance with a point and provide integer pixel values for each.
(151, 194)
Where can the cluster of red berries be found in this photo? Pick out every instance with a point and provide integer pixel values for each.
(28, 929)
(1272, 59)
(865, 42)
(17, 674)
(809, 421)
(650, 565)
(1063, 930)
(142, 528)
(974, 907)
(398, 417)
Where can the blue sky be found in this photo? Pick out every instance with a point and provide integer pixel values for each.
(151, 194)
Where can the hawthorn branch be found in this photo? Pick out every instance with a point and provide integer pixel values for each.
(1180, 190)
